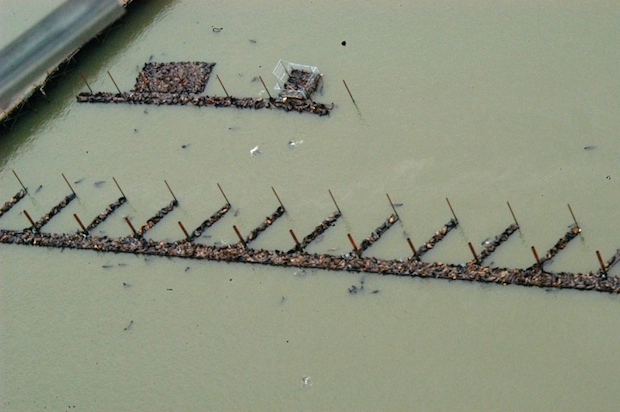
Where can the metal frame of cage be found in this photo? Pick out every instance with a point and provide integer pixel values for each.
(282, 74)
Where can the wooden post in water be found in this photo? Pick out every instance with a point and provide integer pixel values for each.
(184, 231)
(452, 210)
(80, 223)
(337, 208)
(223, 194)
(297, 244)
(219, 80)
(20, 181)
(119, 188)
(473, 252)
(415, 253)
(63, 176)
(266, 89)
(349, 91)
(393, 207)
(513, 214)
(173, 196)
(85, 82)
(600, 260)
(278, 197)
(119, 90)
(353, 243)
(133, 229)
(536, 257)
(573, 215)
(34, 226)
(240, 237)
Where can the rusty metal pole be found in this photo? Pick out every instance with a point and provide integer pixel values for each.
(393, 207)
(119, 188)
(240, 237)
(415, 253)
(600, 260)
(513, 214)
(337, 208)
(85, 82)
(131, 226)
(223, 194)
(452, 210)
(353, 243)
(297, 244)
(266, 89)
(222, 84)
(573, 215)
(80, 223)
(119, 90)
(278, 197)
(473, 252)
(184, 231)
(20, 181)
(34, 226)
(64, 177)
(536, 256)
(173, 196)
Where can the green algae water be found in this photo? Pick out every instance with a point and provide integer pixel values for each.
(482, 103)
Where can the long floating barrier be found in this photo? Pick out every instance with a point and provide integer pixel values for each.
(156, 219)
(269, 220)
(320, 229)
(12, 202)
(561, 244)
(374, 236)
(185, 99)
(532, 276)
(499, 239)
(106, 213)
(437, 237)
(209, 222)
(55, 210)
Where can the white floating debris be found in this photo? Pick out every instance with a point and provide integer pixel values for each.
(306, 381)
(255, 151)
(293, 143)
(300, 272)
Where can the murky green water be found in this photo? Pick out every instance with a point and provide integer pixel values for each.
(481, 103)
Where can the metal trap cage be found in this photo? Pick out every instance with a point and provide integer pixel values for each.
(295, 80)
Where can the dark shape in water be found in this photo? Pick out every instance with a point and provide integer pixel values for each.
(589, 147)
(128, 326)
(99, 183)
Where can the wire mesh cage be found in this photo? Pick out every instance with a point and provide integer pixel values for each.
(296, 81)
